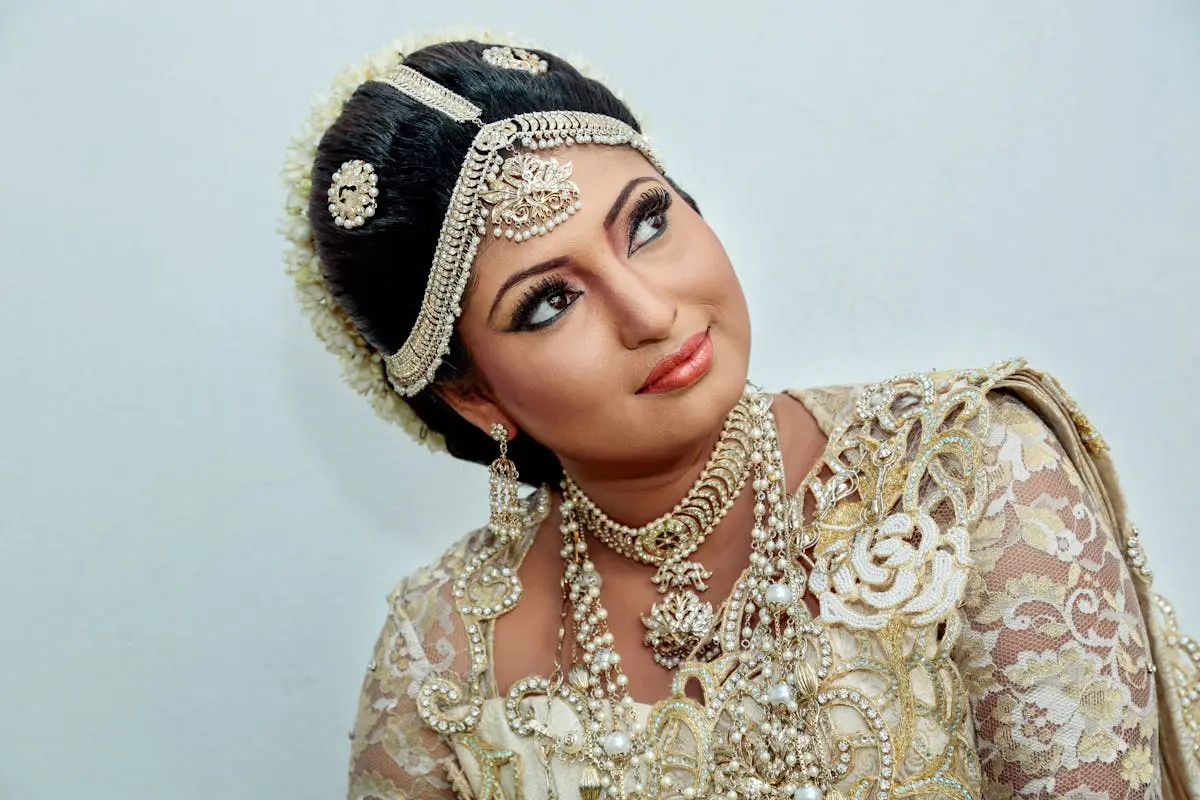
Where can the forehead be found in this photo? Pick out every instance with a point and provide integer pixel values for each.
(600, 172)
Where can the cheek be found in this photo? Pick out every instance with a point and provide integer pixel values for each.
(711, 272)
(554, 376)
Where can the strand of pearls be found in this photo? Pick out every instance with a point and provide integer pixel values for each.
(773, 745)
(613, 738)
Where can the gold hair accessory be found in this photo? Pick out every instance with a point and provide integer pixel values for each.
(352, 194)
(529, 195)
(515, 58)
(408, 81)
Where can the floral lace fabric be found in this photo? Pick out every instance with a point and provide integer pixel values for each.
(1056, 658)
(1026, 659)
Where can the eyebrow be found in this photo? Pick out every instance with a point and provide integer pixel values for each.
(555, 263)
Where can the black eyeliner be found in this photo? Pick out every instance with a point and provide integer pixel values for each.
(652, 203)
(546, 287)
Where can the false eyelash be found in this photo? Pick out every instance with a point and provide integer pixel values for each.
(652, 203)
(546, 287)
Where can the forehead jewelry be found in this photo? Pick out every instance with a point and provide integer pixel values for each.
(504, 189)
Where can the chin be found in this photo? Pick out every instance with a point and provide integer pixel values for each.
(708, 401)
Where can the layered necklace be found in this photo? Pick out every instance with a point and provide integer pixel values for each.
(773, 741)
(681, 624)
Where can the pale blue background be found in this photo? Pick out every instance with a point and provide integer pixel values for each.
(199, 523)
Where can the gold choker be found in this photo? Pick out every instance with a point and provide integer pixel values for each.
(678, 624)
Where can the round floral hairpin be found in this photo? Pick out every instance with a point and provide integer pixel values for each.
(352, 194)
(515, 58)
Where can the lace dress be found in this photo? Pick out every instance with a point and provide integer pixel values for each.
(986, 628)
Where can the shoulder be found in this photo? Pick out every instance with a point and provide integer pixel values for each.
(416, 592)
(425, 599)
(916, 461)
(1011, 387)
(834, 404)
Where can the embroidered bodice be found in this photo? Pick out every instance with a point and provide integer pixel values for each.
(985, 629)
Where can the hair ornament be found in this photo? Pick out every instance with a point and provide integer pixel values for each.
(515, 58)
(408, 81)
(352, 194)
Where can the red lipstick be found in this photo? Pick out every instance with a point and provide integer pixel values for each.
(682, 368)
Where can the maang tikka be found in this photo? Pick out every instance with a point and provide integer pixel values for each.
(505, 519)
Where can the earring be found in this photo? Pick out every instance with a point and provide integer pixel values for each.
(505, 518)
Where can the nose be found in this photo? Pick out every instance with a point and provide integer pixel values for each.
(645, 313)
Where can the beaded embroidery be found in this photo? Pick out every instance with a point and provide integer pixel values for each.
(891, 558)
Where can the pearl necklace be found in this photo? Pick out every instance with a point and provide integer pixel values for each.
(678, 624)
(776, 743)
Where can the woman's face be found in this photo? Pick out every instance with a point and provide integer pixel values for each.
(574, 332)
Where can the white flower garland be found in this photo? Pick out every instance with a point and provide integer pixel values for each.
(362, 365)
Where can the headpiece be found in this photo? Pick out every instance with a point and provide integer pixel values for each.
(503, 189)
(363, 367)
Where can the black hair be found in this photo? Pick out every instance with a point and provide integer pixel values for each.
(378, 272)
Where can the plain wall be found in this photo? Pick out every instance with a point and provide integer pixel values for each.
(199, 523)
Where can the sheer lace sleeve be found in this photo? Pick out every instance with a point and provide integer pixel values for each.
(1055, 652)
(393, 754)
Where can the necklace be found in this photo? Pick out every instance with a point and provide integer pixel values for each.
(681, 622)
(774, 742)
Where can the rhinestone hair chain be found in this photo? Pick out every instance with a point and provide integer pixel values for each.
(503, 186)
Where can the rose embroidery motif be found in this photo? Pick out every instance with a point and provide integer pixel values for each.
(906, 564)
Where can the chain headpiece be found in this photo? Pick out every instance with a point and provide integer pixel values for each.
(503, 189)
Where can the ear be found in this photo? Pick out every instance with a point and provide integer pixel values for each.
(475, 404)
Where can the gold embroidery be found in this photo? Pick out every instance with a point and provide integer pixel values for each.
(490, 760)
(954, 535)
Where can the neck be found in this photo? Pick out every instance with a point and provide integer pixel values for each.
(635, 494)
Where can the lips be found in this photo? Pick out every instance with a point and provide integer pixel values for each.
(681, 368)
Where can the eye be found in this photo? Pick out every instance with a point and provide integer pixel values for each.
(543, 304)
(647, 229)
(550, 307)
(649, 218)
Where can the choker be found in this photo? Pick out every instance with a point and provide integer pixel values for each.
(681, 622)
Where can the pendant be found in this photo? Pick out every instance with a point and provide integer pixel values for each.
(676, 626)
(681, 575)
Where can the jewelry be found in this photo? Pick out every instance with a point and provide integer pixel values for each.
(785, 736)
(531, 197)
(352, 194)
(1136, 556)
(427, 91)
(681, 621)
(775, 741)
(515, 58)
(506, 517)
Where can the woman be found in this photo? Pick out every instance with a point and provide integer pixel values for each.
(925, 586)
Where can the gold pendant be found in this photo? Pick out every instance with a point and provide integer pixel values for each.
(676, 626)
(681, 575)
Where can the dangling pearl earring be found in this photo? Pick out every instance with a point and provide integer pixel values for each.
(504, 519)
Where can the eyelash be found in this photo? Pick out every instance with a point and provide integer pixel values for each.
(653, 203)
(539, 293)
